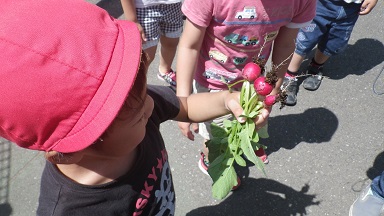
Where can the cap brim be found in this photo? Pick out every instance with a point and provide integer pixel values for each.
(111, 94)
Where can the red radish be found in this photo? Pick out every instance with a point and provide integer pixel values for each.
(270, 100)
(251, 71)
(262, 87)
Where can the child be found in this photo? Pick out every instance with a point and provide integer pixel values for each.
(330, 30)
(220, 37)
(74, 86)
(158, 20)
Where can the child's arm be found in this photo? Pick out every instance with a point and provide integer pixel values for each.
(187, 55)
(129, 9)
(283, 47)
(367, 6)
(206, 106)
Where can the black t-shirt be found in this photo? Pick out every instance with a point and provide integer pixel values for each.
(147, 189)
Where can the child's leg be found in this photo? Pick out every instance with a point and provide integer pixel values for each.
(295, 63)
(167, 53)
(306, 40)
(290, 83)
(170, 28)
(320, 58)
(151, 52)
(149, 21)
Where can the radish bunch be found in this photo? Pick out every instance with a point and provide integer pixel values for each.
(263, 84)
(235, 139)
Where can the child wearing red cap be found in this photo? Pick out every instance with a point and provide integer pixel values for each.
(74, 86)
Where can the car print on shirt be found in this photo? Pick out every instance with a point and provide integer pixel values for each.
(254, 40)
(220, 75)
(218, 56)
(211, 75)
(234, 38)
(248, 12)
(239, 60)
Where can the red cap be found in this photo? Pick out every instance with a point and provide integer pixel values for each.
(66, 69)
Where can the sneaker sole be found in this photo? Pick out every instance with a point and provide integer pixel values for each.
(310, 87)
(202, 168)
(162, 79)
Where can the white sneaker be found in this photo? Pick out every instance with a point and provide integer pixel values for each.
(367, 204)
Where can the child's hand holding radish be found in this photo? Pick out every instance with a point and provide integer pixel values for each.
(239, 138)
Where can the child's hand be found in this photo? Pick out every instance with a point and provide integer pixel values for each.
(187, 128)
(143, 38)
(232, 103)
(262, 119)
(367, 6)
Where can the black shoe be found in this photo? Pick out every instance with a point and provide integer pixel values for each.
(315, 76)
(291, 86)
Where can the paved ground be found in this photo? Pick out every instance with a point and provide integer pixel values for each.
(323, 151)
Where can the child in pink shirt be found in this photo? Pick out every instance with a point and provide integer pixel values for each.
(221, 36)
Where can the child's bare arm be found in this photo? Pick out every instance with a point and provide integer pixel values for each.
(284, 46)
(188, 51)
(187, 55)
(129, 9)
(367, 6)
(206, 106)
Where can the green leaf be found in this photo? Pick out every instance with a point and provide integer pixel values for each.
(247, 147)
(246, 96)
(259, 163)
(224, 184)
(249, 152)
(215, 146)
(215, 168)
(227, 123)
(240, 160)
(252, 102)
(242, 92)
(255, 137)
(250, 127)
(263, 132)
(253, 114)
(218, 131)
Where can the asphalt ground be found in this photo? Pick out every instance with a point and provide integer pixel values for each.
(322, 151)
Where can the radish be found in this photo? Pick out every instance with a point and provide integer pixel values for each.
(262, 87)
(251, 71)
(270, 100)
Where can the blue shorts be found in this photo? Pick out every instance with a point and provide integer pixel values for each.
(331, 28)
(377, 185)
(162, 19)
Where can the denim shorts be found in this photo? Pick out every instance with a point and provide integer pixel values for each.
(331, 28)
(162, 19)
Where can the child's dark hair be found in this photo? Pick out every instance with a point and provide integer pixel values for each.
(135, 97)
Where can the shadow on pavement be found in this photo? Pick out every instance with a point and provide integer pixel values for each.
(261, 197)
(5, 169)
(112, 6)
(374, 171)
(315, 125)
(356, 59)
(377, 167)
